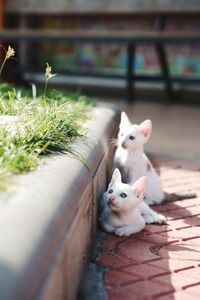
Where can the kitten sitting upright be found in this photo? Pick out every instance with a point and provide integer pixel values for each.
(133, 163)
(123, 211)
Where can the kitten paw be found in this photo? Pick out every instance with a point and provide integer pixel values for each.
(161, 219)
(155, 218)
(122, 232)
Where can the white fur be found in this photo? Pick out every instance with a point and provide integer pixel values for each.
(126, 216)
(132, 161)
(149, 215)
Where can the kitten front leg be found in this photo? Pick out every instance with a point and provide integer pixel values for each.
(128, 230)
(106, 226)
(150, 216)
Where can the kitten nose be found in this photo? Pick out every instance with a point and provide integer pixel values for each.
(111, 199)
(124, 145)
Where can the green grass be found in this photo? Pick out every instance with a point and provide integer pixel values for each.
(46, 126)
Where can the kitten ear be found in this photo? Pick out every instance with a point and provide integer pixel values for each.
(124, 121)
(139, 187)
(116, 176)
(146, 128)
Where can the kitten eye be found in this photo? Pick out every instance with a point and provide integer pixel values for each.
(121, 134)
(123, 195)
(110, 191)
(131, 137)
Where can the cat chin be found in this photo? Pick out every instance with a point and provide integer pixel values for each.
(115, 208)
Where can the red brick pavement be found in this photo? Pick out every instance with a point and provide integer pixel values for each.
(163, 261)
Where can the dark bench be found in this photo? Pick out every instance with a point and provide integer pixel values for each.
(158, 39)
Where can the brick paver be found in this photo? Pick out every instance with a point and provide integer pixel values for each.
(162, 261)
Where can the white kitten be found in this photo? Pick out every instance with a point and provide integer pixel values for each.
(132, 161)
(122, 208)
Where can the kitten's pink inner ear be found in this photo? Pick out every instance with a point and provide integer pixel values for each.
(146, 128)
(140, 187)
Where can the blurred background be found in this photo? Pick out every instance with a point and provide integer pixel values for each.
(100, 69)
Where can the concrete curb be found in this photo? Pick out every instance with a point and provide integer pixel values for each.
(47, 224)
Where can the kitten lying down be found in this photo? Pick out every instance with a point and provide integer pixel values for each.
(123, 210)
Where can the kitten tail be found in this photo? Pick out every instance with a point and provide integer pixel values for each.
(177, 197)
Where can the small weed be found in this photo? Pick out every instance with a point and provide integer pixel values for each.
(34, 129)
(9, 54)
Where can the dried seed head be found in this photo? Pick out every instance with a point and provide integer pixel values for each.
(10, 52)
(48, 73)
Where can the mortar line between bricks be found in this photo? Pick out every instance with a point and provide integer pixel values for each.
(173, 289)
(163, 244)
(131, 281)
(183, 217)
(168, 209)
(191, 285)
(183, 269)
(179, 288)
(137, 264)
(125, 266)
(163, 294)
(158, 232)
(117, 286)
(191, 238)
(186, 227)
(147, 277)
